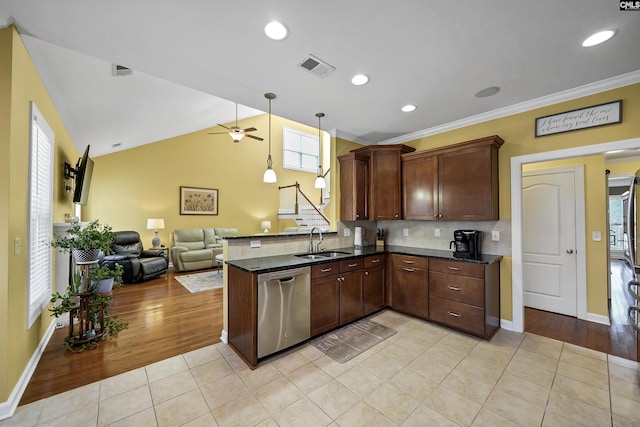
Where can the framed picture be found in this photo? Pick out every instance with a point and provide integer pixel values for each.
(198, 201)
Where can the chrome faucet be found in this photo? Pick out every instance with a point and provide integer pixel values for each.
(317, 247)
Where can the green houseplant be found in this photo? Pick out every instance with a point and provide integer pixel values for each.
(103, 279)
(85, 243)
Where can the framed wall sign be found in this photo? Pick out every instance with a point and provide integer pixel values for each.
(198, 201)
(598, 115)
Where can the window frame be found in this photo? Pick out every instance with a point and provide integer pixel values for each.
(40, 215)
(290, 131)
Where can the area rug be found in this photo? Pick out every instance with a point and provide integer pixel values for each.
(199, 282)
(346, 343)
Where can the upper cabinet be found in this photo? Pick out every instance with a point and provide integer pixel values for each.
(354, 187)
(370, 183)
(456, 183)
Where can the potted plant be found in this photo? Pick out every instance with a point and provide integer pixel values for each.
(102, 279)
(85, 243)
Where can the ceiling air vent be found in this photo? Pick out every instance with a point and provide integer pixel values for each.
(120, 70)
(316, 66)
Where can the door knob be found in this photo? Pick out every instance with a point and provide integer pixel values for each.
(569, 251)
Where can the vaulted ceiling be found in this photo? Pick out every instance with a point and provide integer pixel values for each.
(192, 60)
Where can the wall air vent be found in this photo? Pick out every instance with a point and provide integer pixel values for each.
(120, 70)
(316, 66)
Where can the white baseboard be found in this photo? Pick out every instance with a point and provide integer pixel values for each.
(597, 318)
(9, 407)
(507, 324)
(224, 337)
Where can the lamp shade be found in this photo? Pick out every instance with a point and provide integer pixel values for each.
(266, 226)
(269, 175)
(155, 224)
(320, 182)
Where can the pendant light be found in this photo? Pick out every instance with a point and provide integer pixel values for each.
(269, 174)
(320, 182)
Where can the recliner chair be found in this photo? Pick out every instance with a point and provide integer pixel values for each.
(139, 265)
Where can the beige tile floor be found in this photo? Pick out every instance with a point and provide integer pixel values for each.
(424, 375)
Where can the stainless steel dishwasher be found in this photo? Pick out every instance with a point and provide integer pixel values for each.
(284, 310)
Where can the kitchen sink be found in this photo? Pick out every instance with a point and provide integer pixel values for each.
(323, 255)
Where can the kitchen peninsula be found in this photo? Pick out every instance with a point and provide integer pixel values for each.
(346, 284)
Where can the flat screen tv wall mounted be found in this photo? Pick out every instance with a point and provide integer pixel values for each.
(82, 177)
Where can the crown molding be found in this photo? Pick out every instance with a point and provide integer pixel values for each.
(567, 95)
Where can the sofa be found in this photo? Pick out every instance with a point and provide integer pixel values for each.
(138, 264)
(196, 248)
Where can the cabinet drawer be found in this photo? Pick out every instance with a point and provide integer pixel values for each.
(322, 270)
(410, 261)
(457, 315)
(351, 264)
(469, 290)
(457, 267)
(374, 261)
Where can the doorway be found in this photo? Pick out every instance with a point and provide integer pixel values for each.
(517, 323)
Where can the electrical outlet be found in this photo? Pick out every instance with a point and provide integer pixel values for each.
(495, 235)
(405, 232)
(596, 236)
(17, 246)
(347, 232)
(436, 232)
(255, 243)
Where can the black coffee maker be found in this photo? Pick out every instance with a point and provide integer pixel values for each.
(466, 244)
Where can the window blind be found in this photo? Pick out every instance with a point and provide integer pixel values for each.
(39, 275)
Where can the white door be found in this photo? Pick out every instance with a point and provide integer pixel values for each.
(549, 240)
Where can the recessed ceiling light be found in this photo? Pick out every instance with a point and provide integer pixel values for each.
(488, 91)
(276, 30)
(408, 108)
(360, 79)
(599, 38)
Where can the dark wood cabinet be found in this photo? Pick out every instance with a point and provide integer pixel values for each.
(351, 301)
(374, 283)
(465, 296)
(410, 285)
(354, 187)
(457, 182)
(242, 323)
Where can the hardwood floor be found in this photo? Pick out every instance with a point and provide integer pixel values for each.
(619, 339)
(165, 320)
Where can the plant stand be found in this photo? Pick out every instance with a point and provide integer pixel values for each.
(89, 312)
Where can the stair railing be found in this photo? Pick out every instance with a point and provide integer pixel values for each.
(289, 202)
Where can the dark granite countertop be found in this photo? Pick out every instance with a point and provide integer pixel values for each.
(282, 262)
(270, 235)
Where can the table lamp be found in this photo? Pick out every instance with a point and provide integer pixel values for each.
(155, 224)
(266, 225)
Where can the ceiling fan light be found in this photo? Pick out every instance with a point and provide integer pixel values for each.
(236, 136)
(276, 30)
(598, 38)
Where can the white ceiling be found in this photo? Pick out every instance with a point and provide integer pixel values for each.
(434, 54)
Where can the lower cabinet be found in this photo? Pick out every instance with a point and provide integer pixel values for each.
(410, 285)
(351, 302)
(374, 283)
(465, 296)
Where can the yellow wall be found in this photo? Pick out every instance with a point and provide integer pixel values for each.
(132, 185)
(518, 133)
(19, 84)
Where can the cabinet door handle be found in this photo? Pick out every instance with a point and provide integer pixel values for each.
(406, 261)
(366, 273)
(440, 216)
(375, 260)
(326, 270)
(453, 288)
(435, 216)
(454, 268)
(396, 215)
(451, 313)
(409, 269)
(352, 265)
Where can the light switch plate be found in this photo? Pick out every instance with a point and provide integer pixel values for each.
(17, 246)
(436, 232)
(495, 235)
(596, 236)
(405, 232)
(255, 243)
(347, 232)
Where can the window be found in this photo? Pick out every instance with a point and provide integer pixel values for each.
(40, 215)
(301, 151)
(616, 223)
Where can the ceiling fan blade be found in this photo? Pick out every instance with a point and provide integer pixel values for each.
(250, 129)
(254, 137)
(218, 133)
(223, 126)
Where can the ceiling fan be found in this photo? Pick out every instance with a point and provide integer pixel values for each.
(237, 133)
